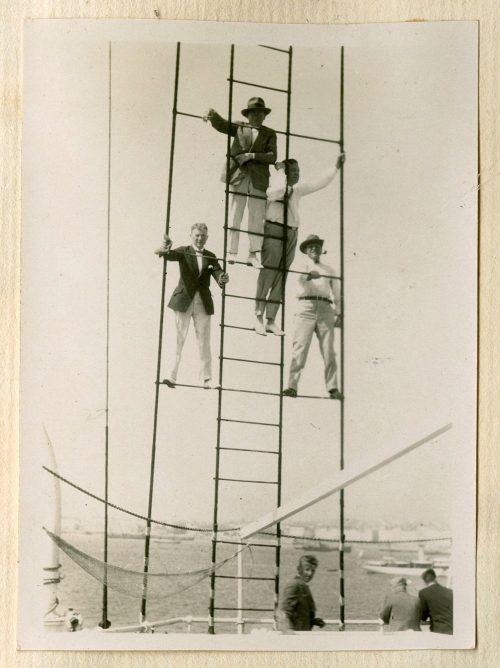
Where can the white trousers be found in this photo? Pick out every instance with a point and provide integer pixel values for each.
(201, 321)
(256, 214)
(318, 318)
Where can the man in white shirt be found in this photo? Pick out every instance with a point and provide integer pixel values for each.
(286, 185)
(319, 307)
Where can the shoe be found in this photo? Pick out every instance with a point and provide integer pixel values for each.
(334, 394)
(290, 392)
(259, 326)
(273, 328)
(231, 258)
(253, 262)
(206, 384)
(169, 382)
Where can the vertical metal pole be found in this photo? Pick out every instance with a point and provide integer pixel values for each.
(211, 611)
(240, 589)
(105, 623)
(342, 354)
(282, 343)
(160, 345)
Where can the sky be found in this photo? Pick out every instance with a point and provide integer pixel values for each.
(410, 272)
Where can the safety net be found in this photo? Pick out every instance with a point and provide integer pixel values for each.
(136, 583)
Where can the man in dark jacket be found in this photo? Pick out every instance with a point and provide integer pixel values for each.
(297, 603)
(192, 298)
(254, 148)
(437, 603)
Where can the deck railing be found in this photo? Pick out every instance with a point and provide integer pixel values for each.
(151, 627)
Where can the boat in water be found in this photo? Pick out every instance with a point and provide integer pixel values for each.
(319, 546)
(390, 566)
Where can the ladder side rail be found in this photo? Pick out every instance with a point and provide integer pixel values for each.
(105, 623)
(282, 342)
(211, 623)
(342, 355)
(160, 340)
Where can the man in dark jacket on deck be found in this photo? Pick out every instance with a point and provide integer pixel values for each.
(297, 603)
(437, 603)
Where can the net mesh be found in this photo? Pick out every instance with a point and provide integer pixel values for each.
(136, 583)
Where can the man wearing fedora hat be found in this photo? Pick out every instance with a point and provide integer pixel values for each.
(254, 148)
(318, 308)
(280, 241)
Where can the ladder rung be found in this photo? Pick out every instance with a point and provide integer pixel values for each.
(293, 134)
(242, 577)
(183, 113)
(252, 299)
(248, 83)
(258, 482)
(235, 192)
(242, 359)
(269, 394)
(267, 452)
(274, 48)
(279, 132)
(264, 424)
(198, 387)
(255, 234)
(234, 542)
(249, 609)
(312, 396)
(246, 329)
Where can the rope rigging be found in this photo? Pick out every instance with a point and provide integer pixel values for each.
(183, 527)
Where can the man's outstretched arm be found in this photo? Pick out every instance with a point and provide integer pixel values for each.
(308, 187)
(220, 124)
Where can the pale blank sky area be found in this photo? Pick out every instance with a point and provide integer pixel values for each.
(410, 274)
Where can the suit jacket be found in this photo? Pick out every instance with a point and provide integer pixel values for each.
(298, 605)
(437, 603)
(266, 142)
(401, 611)
(190, 281)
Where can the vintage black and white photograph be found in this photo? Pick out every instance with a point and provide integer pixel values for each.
(248, 346)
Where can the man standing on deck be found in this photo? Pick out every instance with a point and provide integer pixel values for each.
(297, 603)
(317, 313)
(192, 298)
(437, 603)
(270, 282)
(401, 611)
(254, 148)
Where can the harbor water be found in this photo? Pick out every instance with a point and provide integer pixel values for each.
(365, 591)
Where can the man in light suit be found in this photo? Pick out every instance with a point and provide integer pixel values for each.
(254, 148)
(192, 298)
(317, 313)
(297, 603)
(401, 611)
(437, 603)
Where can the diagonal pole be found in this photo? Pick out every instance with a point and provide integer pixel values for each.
(367, 465)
